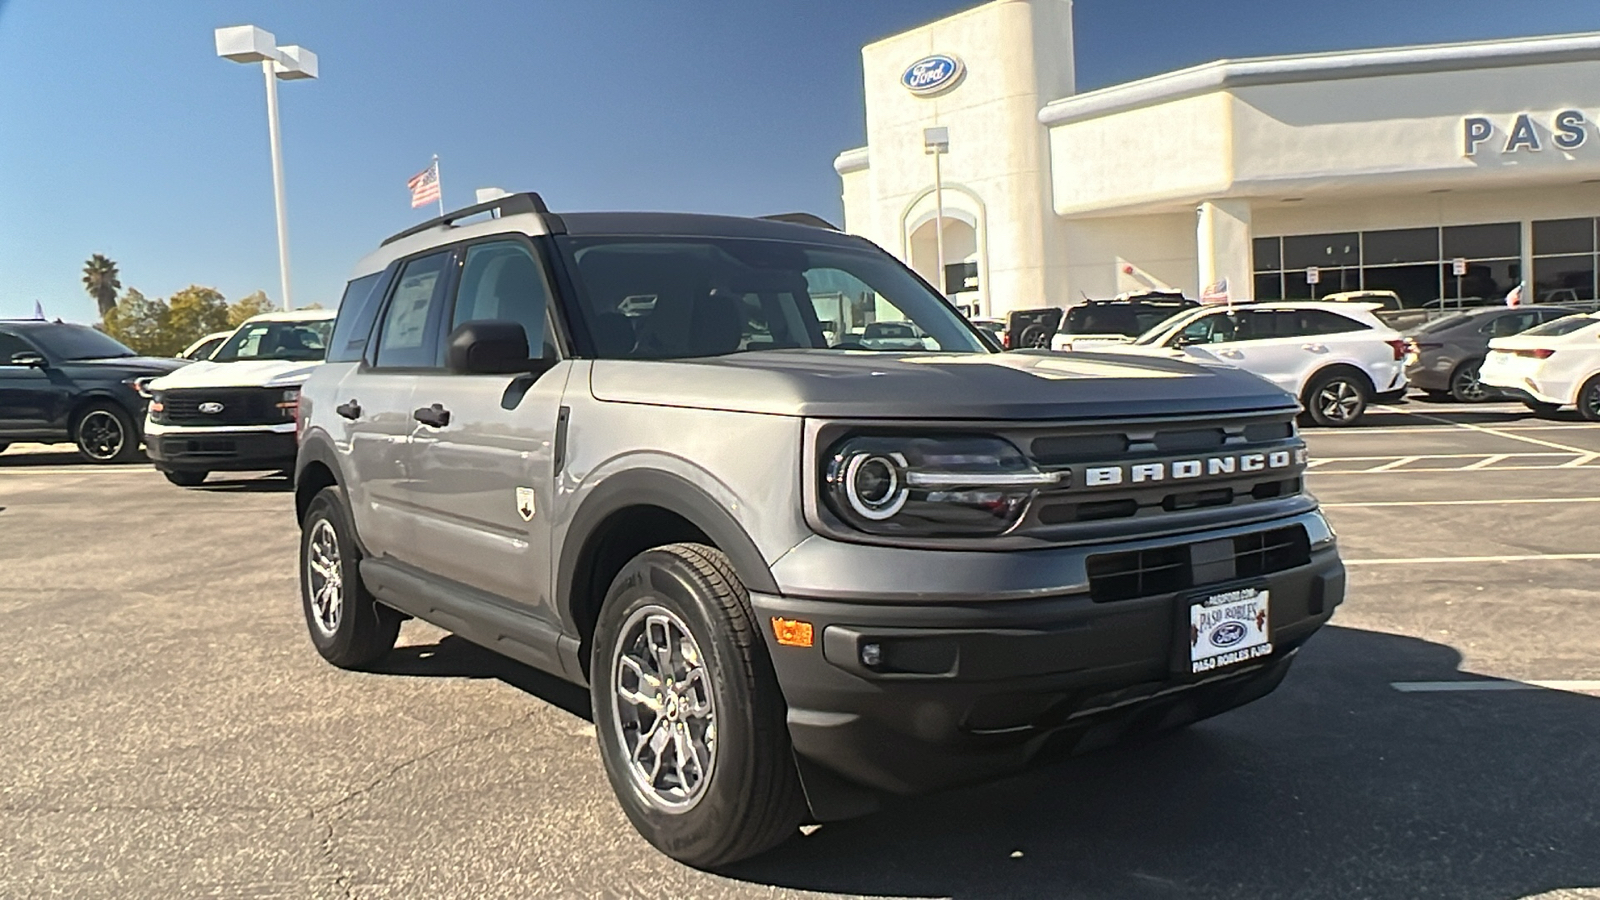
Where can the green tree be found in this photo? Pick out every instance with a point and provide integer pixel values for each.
(251, 305)
(142, 324)
(100, 280)
(195, 312)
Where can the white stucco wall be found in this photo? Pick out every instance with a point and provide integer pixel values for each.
(996, 173)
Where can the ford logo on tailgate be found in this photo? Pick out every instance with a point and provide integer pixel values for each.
(210, 407)
(933, 74)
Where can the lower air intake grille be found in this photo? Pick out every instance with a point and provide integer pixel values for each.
(1166, 570)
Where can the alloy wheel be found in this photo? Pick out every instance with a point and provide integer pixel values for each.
(1468, 386)
(325, 575)
(100, 435)
(1589, 404)
(1339, 401)
(665, 715)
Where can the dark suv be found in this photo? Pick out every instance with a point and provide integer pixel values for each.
(798, 575)
(61, 382)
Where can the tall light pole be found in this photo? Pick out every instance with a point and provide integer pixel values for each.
(936, 143)
(248, 44)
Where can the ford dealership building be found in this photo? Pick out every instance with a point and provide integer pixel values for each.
(1278, 177)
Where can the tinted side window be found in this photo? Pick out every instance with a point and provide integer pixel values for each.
(1212, 329)
(9, 344)
(405, 339)
(356, 312)
(1321, 321)
(1512, 323)
(503, 280)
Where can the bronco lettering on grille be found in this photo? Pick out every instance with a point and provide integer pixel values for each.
(1186, 469)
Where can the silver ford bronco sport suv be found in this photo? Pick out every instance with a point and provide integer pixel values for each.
(799, 575)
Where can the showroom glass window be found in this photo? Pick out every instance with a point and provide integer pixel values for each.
(1564, 260)
(1415, 263)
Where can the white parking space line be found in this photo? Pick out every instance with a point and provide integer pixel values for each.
(1393, 465)
(1486, 462)
(1481, 429)
(1451, 560)
(73, 470)
(1427, 687)
(1433, 429)
(1364, 504)
(1580, 461)
(1413, 469)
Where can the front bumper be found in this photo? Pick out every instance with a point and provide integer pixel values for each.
(221, 449)
(968, 691)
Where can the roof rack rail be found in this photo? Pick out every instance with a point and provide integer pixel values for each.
(801, 218)
(509, 205)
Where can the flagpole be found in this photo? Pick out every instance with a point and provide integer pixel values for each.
(438, 180)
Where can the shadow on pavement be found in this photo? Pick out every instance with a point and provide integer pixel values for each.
(1335, 786)
(61, 458)
(266, 484)
(456, 657)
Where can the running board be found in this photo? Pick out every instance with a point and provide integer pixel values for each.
(476, 616)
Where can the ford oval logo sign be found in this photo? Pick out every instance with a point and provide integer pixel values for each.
(210, 407)
(933, 75)
(1228, 634)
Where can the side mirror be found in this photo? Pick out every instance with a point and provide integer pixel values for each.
(28, 358)
(490, 347)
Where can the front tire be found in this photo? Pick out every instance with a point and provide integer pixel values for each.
(1589, 399)
(348, 626)
(185, 478)
(1338, 399)
(687, 710)
(104, 434)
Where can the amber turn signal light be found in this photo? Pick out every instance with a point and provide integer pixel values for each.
(791, 632)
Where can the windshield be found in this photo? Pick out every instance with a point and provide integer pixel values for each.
(1129, 320)
(1565, 325)
(667, 298)
(298, 341)
(1155, 333)
(65, 342)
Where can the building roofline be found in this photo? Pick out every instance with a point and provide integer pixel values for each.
(1226, 74)
(850, 161)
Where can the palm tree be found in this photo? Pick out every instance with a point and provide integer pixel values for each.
(100, 280)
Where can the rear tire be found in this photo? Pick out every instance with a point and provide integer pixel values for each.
(677, 653)
(348, 626)
(1589, 399)
(186, 479)
(1465, 386)
(1034, 337)
(1338, 399)
(104, 434)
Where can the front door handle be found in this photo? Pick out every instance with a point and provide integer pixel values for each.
(434, 416)
(350, 410)
(1231, 354)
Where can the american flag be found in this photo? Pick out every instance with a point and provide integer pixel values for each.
(1216, 292)
(425, 185)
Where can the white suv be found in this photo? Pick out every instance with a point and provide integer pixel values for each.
(1336, 357)
(236, 410)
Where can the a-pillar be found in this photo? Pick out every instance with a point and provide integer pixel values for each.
(1223, 240)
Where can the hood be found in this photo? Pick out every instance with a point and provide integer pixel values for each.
(244, 373)
(1005, 386)
(144, 365)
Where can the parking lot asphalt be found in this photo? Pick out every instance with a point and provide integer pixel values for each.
(169, 731)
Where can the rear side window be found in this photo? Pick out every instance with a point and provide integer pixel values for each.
(406, 338)
(1511, 323)
(1321, 321)
(356, 312)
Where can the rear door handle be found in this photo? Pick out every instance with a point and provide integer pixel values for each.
(1315, 348)
(350, 410)
(434, 416)
(1231, 354)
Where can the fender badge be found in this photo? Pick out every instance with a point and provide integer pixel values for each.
(525, 503)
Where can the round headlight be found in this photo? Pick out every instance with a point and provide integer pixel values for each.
(874, 485)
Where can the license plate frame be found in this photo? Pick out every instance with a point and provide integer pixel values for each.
(1239, 617)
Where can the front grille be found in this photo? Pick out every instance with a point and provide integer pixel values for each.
(1123, 476)
(240, 406)
(1151, 572)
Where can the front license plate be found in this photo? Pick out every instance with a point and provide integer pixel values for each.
(1229, 628)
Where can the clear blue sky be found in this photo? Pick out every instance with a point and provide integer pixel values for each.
(122, 133)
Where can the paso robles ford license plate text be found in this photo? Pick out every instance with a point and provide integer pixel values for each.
(1228, 628)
